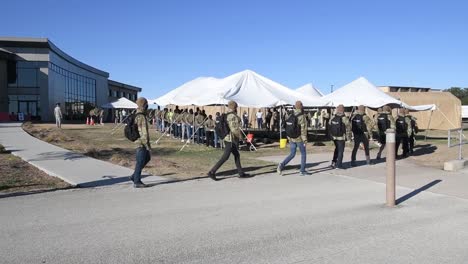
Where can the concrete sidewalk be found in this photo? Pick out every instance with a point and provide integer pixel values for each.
(76, 169)
(408, 174)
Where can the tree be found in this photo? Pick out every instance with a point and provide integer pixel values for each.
(459, 92)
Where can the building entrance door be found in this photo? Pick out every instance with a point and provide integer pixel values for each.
(27, 107)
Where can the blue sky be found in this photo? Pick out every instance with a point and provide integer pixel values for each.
(159, 45)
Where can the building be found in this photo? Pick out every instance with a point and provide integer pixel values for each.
(403, 89)
(448, 107)
(35, 75)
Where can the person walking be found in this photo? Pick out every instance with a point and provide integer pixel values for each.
(58, 115)
(340, 129)
(414, 131)
(231, 142)
(296, 131)
(259, 116)
(384, 121)
(143, 151)
(361, 125)
(403, 129)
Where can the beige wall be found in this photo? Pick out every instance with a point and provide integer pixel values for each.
(448, 113)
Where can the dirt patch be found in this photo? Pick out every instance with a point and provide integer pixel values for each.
(17, 175)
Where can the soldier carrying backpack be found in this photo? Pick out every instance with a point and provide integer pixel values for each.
(361, 126)
(414, 130)
(403, 130)
(229, 129)
(339, 129)
(384, 121)
(296, 131)
(137, 130)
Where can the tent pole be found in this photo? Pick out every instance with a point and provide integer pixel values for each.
(281, 122)
(428, 125)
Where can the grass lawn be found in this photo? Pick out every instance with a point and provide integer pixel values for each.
(17, 175)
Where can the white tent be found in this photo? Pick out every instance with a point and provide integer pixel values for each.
(247, 88)
(361, 92)
(188, 93)
(121, 103)
(310, 90)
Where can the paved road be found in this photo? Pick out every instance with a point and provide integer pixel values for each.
(322, 218)
(71, 167)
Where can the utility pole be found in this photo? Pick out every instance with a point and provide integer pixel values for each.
(331, 88)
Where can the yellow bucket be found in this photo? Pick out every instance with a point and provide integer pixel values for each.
(283, 142)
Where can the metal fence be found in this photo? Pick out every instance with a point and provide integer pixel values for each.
(455, 138)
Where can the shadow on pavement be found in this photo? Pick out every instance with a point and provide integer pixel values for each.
(58, 155)
(15, 194)
(417, 191)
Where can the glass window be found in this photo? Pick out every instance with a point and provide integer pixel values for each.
(27, 77)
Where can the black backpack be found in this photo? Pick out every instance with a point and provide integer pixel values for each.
(222, 127)
(401, 125)
(337, 127)
(131, 128)
(383, 123)
(293, 130)
(358, 125)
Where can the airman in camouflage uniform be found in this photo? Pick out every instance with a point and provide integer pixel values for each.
(383, 122)
(403, 130)
(143, 152)
(340, 130)
(361, 125)
(300, 141)
(414, 130)
(231, 142)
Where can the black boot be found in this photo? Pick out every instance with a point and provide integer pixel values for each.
(212, 176)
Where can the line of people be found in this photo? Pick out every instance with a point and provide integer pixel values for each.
(188, 126)
(360, 128)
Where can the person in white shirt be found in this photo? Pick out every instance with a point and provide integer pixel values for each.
(58, 115)
(259, 119)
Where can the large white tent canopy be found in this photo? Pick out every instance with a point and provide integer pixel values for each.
(121, 103)
(363, 92)
(247, 88)
(310, 90)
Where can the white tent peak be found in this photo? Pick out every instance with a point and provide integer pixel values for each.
(246, 87)
(309, 89)
(121, 103)
(361, 92)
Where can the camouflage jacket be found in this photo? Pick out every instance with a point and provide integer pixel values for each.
(234, 123)
(348, 133)
(188, 118)
(413, 129)
(210, 124)
(200, 120)
(302, 121)
(142, 123)
(179, 118)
